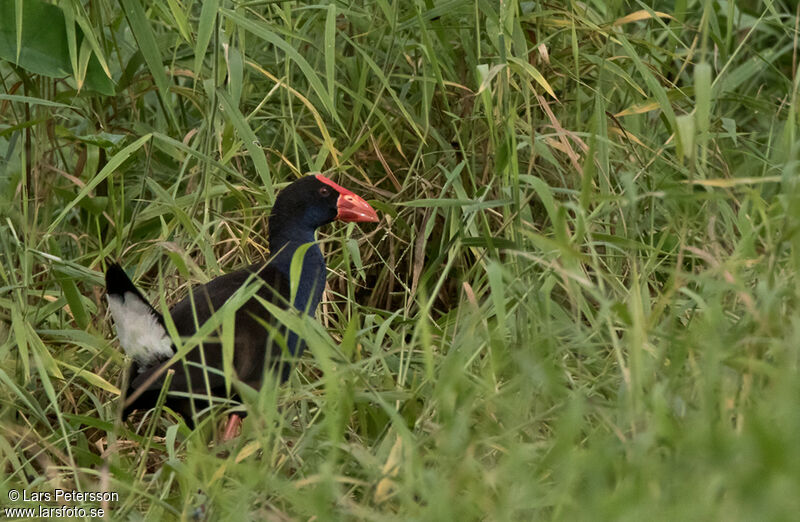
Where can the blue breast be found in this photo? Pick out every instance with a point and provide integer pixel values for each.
(309, 288)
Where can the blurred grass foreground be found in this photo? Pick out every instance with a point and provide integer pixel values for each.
(581, 303)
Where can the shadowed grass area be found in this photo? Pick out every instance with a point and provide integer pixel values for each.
(581, 301)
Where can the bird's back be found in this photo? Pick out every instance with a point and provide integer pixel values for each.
(200, 372)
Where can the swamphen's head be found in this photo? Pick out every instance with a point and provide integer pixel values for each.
(313, 201)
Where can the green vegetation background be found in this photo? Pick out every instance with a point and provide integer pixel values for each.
(581, 302)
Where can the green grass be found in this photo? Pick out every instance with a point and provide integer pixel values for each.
(581, 302)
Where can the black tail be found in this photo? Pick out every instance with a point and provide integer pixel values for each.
(118, 282)
(140, 328)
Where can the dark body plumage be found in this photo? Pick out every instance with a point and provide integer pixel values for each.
(299, 210)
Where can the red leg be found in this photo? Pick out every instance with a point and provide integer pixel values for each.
(232, 428)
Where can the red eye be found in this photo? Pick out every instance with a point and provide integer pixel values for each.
(324, 191)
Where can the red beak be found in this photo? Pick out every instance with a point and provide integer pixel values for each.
(351, 207)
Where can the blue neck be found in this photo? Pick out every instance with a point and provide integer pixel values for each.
(312, 276)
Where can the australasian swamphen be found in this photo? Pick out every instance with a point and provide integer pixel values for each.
(300, 208)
